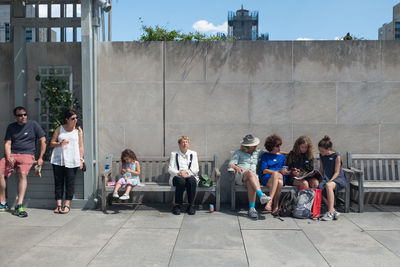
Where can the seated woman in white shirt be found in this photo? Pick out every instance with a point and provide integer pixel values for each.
(183, 169)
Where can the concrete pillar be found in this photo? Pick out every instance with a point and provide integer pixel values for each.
(88, 100)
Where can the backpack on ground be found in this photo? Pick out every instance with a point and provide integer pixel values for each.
(288, 203)
(304, 205)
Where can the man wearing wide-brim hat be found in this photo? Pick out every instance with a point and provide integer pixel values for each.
(244, 162)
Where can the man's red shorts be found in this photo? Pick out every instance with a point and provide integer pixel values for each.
(23, 163)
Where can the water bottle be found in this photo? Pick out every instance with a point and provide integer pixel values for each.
(107, 165)
(211, 208)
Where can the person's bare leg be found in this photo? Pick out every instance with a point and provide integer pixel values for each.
(330, 187)
(278, 195)
(22, 185)
(3, 185)
(251, 192)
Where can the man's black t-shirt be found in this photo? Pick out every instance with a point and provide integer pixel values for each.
(23, 137)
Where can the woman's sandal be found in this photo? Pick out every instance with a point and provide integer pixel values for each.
(275, 212)
(63, 210)
(58, 209)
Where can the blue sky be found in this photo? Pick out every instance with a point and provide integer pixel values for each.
(282, 19)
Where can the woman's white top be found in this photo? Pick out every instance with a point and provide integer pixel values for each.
(183, 161)
(67, 155)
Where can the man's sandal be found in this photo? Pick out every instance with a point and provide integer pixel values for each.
(58, 209)
(63, 210)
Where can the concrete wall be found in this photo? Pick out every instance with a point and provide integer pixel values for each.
(219, 91)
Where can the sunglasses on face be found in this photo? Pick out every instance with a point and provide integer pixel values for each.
(21, 115)
(73, 118)
(278, 145)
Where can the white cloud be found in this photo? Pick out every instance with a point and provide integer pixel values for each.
(338, 38)
(204, 26)
(303, 39)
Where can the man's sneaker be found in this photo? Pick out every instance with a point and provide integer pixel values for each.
(115, 195)
(191, 210)
(253, 213)
(176, 210)
(336, 215)
(327, 216)
(3, 207)
(124, 197)
(264, 199)
(19, 211)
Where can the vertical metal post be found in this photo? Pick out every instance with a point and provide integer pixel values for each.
(110, 23)
(62, 30)
(96, 37)
(103, 29)
(19, 44)
(88, 105)
(74, 31)
(49, 29)
(36, 16)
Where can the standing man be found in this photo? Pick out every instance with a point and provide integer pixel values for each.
(19, 150)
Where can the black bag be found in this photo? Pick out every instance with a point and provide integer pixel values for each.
(288, 204)
(84, 167)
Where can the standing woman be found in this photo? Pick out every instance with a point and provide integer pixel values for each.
(66, 158)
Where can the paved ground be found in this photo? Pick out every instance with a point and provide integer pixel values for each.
(152, 236)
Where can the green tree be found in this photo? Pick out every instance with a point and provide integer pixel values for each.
(161, 33)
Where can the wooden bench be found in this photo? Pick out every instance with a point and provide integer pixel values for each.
(378, 173)
(155, 176)
(350, 175)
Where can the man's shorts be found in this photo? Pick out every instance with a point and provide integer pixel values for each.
(23, 163)
(239, 178)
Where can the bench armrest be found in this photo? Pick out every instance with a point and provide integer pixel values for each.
(354, 173)
(217, 173)
(356, 170)
(231, 170)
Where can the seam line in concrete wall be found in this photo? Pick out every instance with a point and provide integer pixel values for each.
(379, 137)
(380, 61)
(336, 113)
(291, 75)
(163, 66)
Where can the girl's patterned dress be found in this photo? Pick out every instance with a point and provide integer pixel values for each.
(128, 178)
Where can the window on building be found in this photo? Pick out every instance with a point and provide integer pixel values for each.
(29, 35)
(7, 28)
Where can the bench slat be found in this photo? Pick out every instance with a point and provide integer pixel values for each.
(374, 177)
(375, 156)
(387, 170)
(368, 170)
(380, 170)
(393, 170)
(398, 170)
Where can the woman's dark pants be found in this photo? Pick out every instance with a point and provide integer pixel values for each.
(64, 177)
(190, 184)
